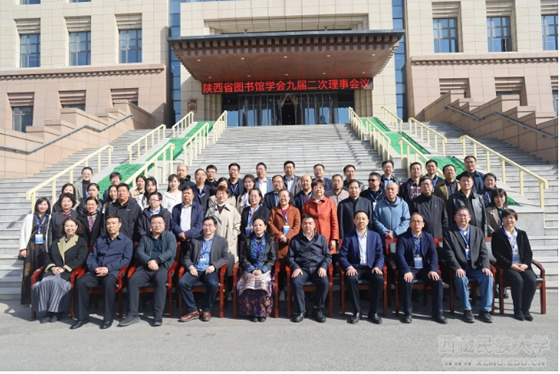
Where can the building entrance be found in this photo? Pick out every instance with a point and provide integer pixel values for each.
(287, 108)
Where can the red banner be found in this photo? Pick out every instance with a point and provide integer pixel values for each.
(300, 85)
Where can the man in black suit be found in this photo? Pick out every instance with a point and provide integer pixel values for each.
(309, 258)
(467, 197)
(431, 207)
(127, 209)
(235, 185)
(291, 181)
(110, 254)
(417, 259)
(468, 258)
(348, 208)
(361, 256)
(271, 198)
(206, 254)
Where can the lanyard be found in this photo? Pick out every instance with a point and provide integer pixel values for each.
(466, 235)
(511, 238)
(199, 194)
(259, 247)
(285, 214)
(39, 224)
(373, 196)
(434, 181)
(418, 246)
(233, 190)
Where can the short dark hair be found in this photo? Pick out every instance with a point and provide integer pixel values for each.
(221, 189)
(211, 167)
(469, 156)
(349, 166)
(263, 165)
(69, 196)
(375, 174)
(462, 208)
(249, 176)
(416, 214)
(200, 169)
(499, 192)
(234, 164)
(415, 163)
(465, 174)
(76, 221)
(115, 174)
(258, 190)
(86, 168)
(94, 185)
(290, 162)
(158, 194)
(123, 185)
(157, 216)
(188, 187)
(425, 178)
(277, 176)
(321, 165)
(140, 177)
(211, 218)
(68, 185)
(318, 182)
(352, 181)
(171, 177)
(91, 198)
(337, 176)
(307, 215)
(509, 212)
(360, 211)
(388, 162)
(447, 166)
(431, 160)
(40, 201)
(112, 216)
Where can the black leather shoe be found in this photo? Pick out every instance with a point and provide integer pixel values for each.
(374, 318)
(468, 316)
(129, 320)
(254, 319)
(528, 316)
(354, 318)
(485, 316)
(298, 317)
(519, 316)
(407, 318)
(439, 318)
(319, 316)
(106, 324)
(157, 322)
(78, 324)
(262, 319)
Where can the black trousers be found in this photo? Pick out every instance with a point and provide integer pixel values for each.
(108, 283)
(140, 278)
(212, 283)
(523, 286)
(437, 291)
(322, 284)
(376, 288)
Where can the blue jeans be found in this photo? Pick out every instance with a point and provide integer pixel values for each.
(486, 289)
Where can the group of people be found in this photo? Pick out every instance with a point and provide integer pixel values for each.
(306, 223)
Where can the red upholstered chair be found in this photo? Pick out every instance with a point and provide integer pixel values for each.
(309, 287)
(200, 287)
(362, 285)
(541, 285)
(274, 277)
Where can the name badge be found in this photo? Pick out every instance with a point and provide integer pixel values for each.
(39, 239)
(516, 258)
(202, 262)
(373, 203)
(248, 230)
(468, 253)
(285, 229)
(418, 264)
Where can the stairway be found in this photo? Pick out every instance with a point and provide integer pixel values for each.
(543, 236)
(15, 207)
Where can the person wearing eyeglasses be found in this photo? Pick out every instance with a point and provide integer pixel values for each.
(143, 224)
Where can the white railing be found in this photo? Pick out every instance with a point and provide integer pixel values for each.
(162, 168)
(220, 126)
(183, 124)
(391, 119)
(141, 144)
(195, 144)
(32, 193)
(543, 183)
(427, 131)
(356, 123)
(379, 141)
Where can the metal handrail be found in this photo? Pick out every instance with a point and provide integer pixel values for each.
(379, 141)
(182, 125)
(499, 115)
(417, 154)
(54, 140)
(414, 123)
(32, 193)
(195, 144)
(392, 119)
(356, 123)
(166, 166)
(220, 126)
(158, 131)
(543, 183)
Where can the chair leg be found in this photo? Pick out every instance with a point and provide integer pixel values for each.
(385, 299)
(289, 300)
(276, 299)
(397, 298)
(501, 298)
(543, 297)
(180, 303)
(331, 301)
(342, 295)
(120, 305)
(170, 302)
(221, 290)
(234, 296)
(451, 298)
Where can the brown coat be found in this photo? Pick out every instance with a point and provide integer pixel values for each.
(276, 224)
(326, 222)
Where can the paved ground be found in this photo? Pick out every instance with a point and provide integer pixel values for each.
(278, 344)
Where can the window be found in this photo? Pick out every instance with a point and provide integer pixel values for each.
(499, 34)
(445, 35)
(29, 2)
(22, 117)
(30, 50)
(80, 48)
(130, 46)
(550, 32)
(555, 101)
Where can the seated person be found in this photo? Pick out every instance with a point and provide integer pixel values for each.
(361, 256)
(52, 294)
(467, 256)
(253, 211)
(154, 255)
(206, 254)
(417, 259)
(309, 258)
(110, 254)
(257, 259)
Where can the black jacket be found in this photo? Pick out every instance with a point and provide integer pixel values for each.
(432, 208)
(128, 213)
